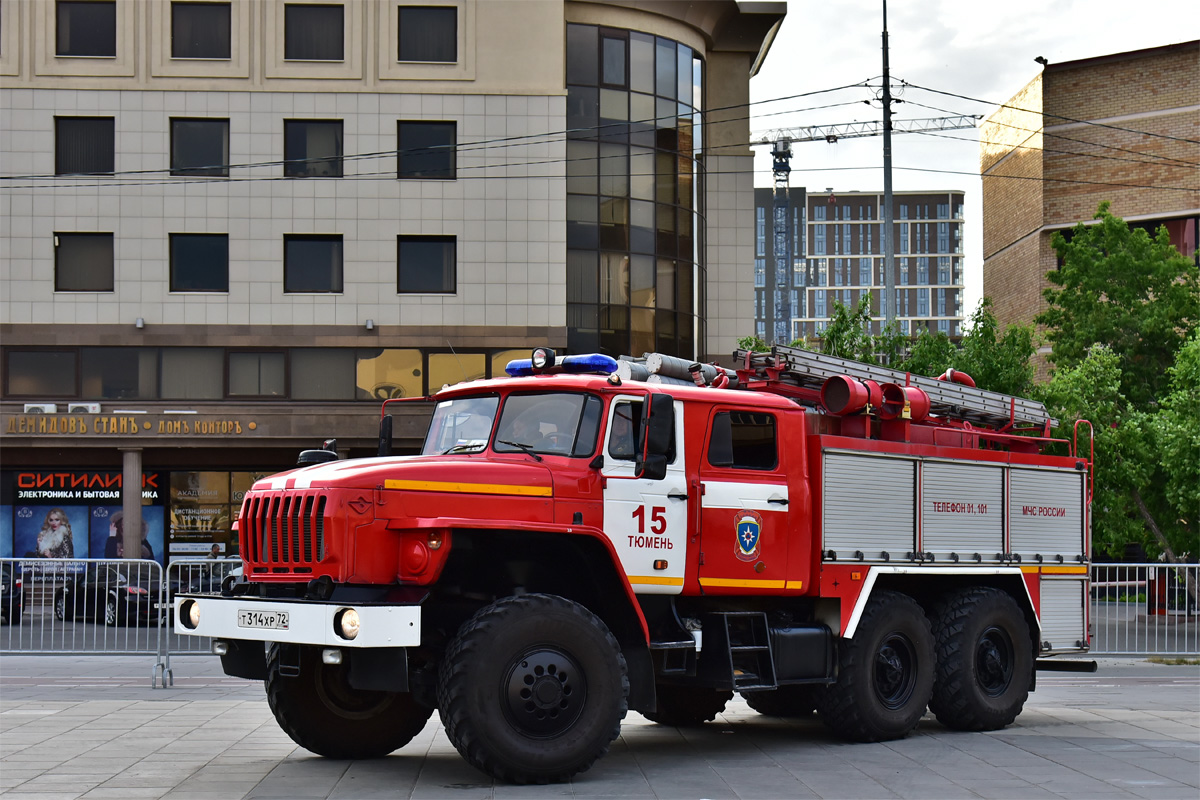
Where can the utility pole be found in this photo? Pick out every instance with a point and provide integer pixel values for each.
(889, 250)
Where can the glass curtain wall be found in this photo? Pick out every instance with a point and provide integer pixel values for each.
(635, 216)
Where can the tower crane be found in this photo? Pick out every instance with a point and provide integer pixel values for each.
(781, 140)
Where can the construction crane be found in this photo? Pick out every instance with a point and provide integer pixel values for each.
(781, 141)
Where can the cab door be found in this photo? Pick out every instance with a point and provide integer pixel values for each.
(645, 520)
(744, 504)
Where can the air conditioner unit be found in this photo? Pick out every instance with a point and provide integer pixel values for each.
(83, 408)
(41, 408)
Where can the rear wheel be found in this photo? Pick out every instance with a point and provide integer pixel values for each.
(60, 604)
(786, 701)
(685, 706)
(113, 613)
(885, 674)
(533, 689)
(984, 660)
(322, 712)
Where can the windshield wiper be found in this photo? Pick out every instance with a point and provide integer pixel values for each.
(528, 449)
(463, 448)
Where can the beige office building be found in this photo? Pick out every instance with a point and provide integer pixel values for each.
(231, 228)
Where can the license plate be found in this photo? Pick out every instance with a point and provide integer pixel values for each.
(271, 620)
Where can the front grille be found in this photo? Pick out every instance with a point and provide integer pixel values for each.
(283, 528)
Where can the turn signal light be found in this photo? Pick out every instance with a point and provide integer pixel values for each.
(436, 538)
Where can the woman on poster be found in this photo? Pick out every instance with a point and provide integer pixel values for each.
(54, 540)
(115, 546)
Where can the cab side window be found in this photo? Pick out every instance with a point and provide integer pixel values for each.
(625, 432)
(743, 440)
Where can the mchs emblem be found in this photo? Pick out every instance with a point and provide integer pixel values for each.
(749, 528)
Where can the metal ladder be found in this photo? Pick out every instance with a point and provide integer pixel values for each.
(810, 370)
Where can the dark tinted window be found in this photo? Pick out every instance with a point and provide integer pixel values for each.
(323, 374)
(428, 33)
(83, 262)
(742, 440)
(257, 374)
(86, 29)
(199, 262)
(426, 150)
(312, 148)
(41, 373)
(312, 263)
(313, 33)
(119, 373)
(83, 145)
(200, 30)
(425, 264)
(200, 147)
(193, 373)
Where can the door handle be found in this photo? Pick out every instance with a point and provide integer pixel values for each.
(779, 501)
(677, 495)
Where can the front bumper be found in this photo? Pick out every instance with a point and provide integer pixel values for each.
(309, 622)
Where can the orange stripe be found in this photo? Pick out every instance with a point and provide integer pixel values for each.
(471, 488)
(741, 583)
(656, 580)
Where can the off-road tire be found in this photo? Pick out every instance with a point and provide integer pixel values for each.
(885, 673)
(786, 701)
(984, 660)
(532, 689)
(322, 713)
(686, 706)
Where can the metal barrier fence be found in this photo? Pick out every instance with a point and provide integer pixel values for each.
(1145, 609)
(90, 606)
(100, 606)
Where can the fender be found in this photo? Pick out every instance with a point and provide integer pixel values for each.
(856, 592)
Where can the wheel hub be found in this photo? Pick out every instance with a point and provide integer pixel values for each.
(895, 673)
(994, 656)
(545, 692)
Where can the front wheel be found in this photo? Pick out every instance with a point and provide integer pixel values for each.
(885, 673)
(533, 689)
(685, 706)
(323, 713)
(985, 660)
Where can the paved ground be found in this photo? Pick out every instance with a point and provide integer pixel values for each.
(92, 727)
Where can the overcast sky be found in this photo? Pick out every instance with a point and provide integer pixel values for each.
(983, 50)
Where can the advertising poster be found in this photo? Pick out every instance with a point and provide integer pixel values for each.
(203, 509)
(68, 513)
(106, 537)
(6, 531)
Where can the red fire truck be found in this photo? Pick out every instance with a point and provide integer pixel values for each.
(810, 532)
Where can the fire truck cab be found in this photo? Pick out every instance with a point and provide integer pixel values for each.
(813, 533)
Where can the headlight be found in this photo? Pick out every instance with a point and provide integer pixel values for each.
(346, 623)
(189, 614)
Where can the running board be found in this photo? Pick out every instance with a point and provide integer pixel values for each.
(1048, 665)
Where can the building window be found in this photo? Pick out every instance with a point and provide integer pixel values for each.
(193, 373)
(313, 32)
(760, 231)
(428, 33)
(199, 262)
(760, 272)
(83, 145)
(200, 147)
(312, 148)
(86, 28)
(83, 262)
(323, 374)
(426, 265)
(426, 150)
(200, 30)
(119, 373)
(41, 373)
(257, 374)
(312, 263)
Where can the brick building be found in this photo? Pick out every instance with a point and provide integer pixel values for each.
(1123, 128)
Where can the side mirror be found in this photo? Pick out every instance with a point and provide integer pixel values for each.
(657, 427)
(385, 435)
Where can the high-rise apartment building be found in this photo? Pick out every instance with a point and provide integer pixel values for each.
(230, 229)
(1122, 128)
(836, 254)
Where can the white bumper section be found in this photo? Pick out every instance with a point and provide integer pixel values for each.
(308, 622)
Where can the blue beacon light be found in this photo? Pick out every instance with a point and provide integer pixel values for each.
(575, 365)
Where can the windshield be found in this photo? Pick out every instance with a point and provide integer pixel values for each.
(462, 425)
(558, 423)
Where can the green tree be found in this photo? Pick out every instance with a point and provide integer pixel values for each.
(848, 334)
(1176, 428)
(1121, 287)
